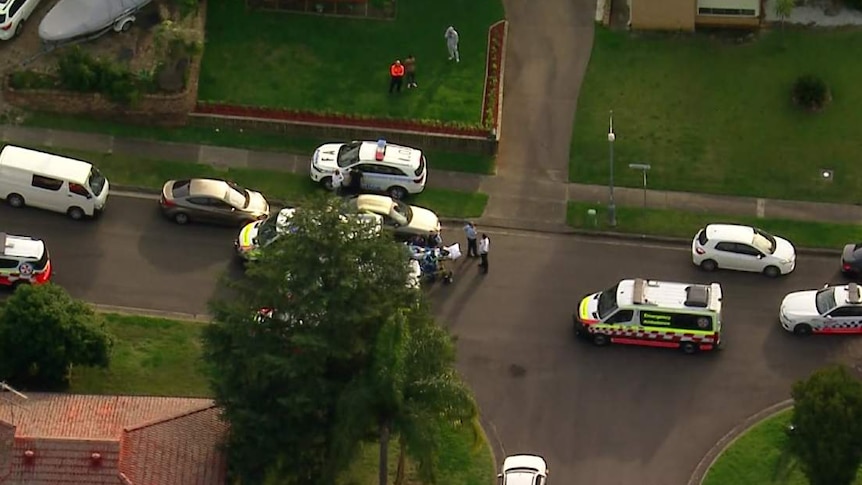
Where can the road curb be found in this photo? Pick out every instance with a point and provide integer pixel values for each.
(146, 312)
(730, 438)
(544, 229)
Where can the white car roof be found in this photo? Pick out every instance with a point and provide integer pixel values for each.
(46, 164)
(522, 469)
(379, 204)
(21, 247)
(730, 233)
(668, 294)
(397, 155)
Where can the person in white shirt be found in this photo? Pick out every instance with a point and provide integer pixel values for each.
(484, 247)
(452, 37)
(337, 181)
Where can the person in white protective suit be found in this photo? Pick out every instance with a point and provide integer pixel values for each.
(452, 43)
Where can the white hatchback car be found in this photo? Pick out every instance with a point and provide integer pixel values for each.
(524, 470)
(742, 248)
(386, 168)
(13, 14)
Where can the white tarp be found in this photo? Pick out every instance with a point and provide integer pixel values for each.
(74, 18)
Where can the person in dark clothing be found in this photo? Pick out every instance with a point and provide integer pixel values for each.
(356, 180)
(410, 69)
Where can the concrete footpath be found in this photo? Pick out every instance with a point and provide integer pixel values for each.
(543, 193)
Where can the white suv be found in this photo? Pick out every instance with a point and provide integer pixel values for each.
(524, 470)
(13, 13)
(742, 248)
(386, 168)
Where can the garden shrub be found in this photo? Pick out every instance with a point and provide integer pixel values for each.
(857, 4)
(79, 71)
(32, 80)
(810, 92)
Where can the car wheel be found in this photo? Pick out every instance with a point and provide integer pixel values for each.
(601, 340)
(19, 28)
(76, 213)
(772, 272)
(126, 25)
(181, 218)
(708, 265)
(15, 200)
(397, 193)
(689, 348)
(326, 182)
(802, 329)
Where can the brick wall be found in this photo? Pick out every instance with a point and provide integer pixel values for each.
(426, 141)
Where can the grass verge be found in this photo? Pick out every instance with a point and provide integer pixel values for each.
(675, 223)
(714, 115)
(761, 457)
(234, 138)
(155, 356)
(309, 62)
(284, 186)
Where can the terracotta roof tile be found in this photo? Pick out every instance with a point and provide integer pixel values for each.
(164, 441)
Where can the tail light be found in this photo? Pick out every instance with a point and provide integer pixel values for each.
(166, 203)
(42, 276)
(7, 26)
(845, 267)
(699, 250)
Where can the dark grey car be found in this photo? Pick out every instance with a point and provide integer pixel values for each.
(213, 201)
(851, 260)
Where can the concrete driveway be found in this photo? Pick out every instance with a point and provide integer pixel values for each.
(616, 415)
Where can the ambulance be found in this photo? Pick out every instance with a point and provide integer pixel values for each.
(23, 260)
(653, 313)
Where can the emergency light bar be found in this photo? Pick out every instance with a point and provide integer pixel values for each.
(381, 150)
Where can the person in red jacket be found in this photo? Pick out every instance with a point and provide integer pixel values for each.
(396, 76)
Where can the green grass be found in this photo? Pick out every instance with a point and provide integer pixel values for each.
(234, 138)
(155, 356)
(713, 115)
(151, 356)
(675, 223)
(308, 62)
(760, 457)
(281, 186)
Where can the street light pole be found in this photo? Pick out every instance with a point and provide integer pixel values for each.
(612, 208)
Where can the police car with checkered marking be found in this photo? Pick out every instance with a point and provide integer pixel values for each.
(833, 309)
(23, 260)
(386, 168)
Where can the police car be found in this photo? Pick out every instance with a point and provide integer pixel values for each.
(262, 233)
(386, 168)
(23, 260)
(832, 309)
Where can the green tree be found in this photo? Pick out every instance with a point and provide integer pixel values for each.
(784, 8)
(411, 390)
(44, 332)
(827, 437)
(334, 283)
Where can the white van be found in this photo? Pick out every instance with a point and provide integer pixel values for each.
(47, 181)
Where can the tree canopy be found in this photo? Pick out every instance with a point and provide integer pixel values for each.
(827, 418)
(44, 332)
(342, 299)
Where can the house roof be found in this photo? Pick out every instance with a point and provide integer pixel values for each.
(131, 440)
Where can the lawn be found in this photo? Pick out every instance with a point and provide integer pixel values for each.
(280, 186)
(661, 222)
(308, 62)
(154, 356)
(715, 115)
(235, 138)
(760, 457)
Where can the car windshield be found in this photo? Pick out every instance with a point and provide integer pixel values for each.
(96, 181)
(763, 241)
(348, 154)
(268, 231)
(825, 300)
(608, 302)
(402, 213)
(237, 195)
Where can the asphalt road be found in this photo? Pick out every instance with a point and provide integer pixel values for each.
(615, 415)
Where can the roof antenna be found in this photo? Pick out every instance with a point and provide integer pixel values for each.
(7, 387)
